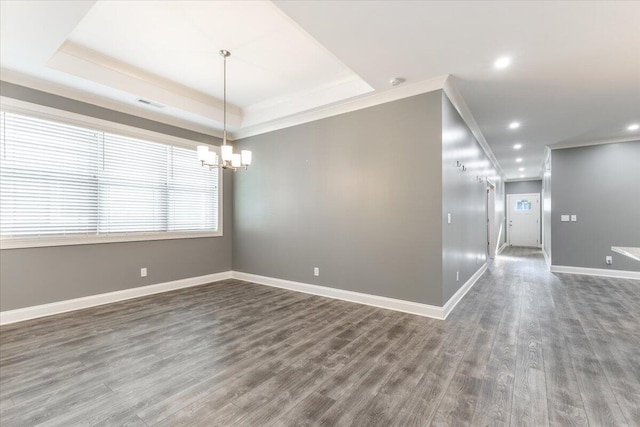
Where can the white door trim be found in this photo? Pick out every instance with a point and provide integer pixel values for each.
(491, 221)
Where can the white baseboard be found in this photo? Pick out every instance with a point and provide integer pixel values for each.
(619, 274)
(455, 299)
(501, 248)
(411, 307)
(34, 312)
(546, 258)
(341, 294)
(27, 313)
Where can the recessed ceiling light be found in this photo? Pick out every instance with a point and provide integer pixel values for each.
(521, 169)
(521, 176)
(634, 126)
(519, 159)
(514, 125)
(502, 63)
(517, 146)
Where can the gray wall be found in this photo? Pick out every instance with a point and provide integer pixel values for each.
(523, 187)
(363, 196)
(42, 275)
(464, 241)
(546, 207)
(601, 185)
(357, 195)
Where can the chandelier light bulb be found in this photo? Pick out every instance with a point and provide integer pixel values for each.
(202, 152)
(227, 152)
(211, 158)
(246, 157)
(236, 160)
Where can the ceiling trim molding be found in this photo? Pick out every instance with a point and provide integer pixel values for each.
(20, 79)
(342, 107)
(562, 145)
(45, 112)
(276, 108)
(72, 50)
(535, 178)
(93, 66)
(459, 103)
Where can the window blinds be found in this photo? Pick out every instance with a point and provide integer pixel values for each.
(63, 180)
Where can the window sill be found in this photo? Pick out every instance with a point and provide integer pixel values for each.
(120, 238)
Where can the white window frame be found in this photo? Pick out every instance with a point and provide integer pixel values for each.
(62, 116)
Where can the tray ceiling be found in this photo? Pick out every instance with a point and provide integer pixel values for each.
(573, 78)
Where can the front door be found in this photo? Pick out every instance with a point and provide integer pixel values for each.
(523, 219)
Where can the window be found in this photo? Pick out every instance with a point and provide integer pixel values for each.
(61, 181)
(523, 205)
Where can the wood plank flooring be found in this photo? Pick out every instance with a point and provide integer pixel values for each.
(524, 347)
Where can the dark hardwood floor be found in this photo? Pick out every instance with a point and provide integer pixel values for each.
(524, 347)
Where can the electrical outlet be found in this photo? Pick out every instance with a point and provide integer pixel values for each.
(316, 271)
(457, 276)
(609, 260)
(143, 272)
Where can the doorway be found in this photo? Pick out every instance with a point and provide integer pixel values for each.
(491, 221)
(523, 219)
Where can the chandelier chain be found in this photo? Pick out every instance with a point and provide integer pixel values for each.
(230, 160)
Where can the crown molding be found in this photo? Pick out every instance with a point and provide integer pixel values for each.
(20, 79)
(93, 66)
(535, 178)
(563, 145)
(451, 90)
(342, 107)
(275, 108)
(45, 112)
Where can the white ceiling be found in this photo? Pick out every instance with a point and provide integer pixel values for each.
(167, 52)
(574, 78)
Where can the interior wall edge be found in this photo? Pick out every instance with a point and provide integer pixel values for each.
(451, 303)
(456, 98)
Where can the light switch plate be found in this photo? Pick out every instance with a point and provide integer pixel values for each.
(448, 218)
(564, 218)
(574, 218)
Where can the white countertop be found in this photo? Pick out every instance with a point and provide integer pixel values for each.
(627, 251)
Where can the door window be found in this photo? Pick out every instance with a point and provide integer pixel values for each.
(523, 205)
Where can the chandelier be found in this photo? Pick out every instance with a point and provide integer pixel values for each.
(230, 160)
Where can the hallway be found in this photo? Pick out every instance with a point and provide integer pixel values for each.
(524, 347)
(576, 344)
